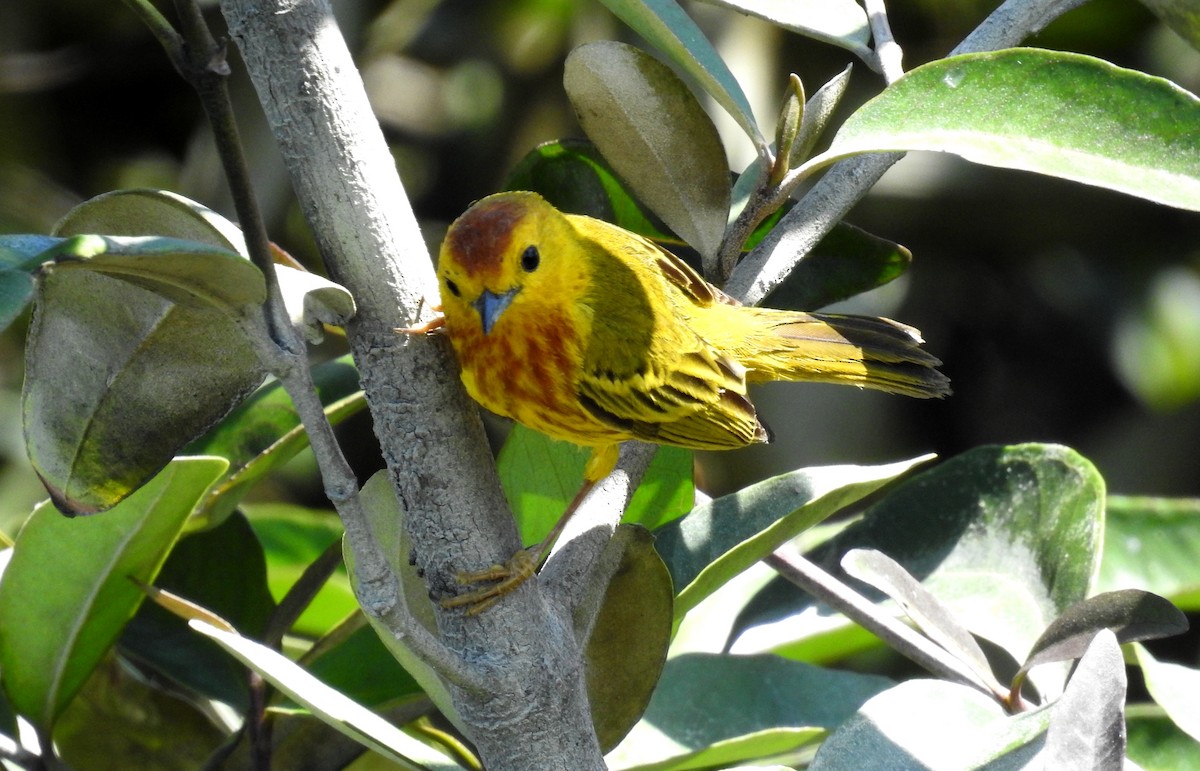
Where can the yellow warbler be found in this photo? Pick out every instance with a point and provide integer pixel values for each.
(589, 333)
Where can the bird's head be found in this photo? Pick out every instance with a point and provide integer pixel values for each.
(495, 252)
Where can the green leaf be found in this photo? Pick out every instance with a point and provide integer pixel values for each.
(541, 476)
(353, 660)
(839, 22)
(386, 520)
(1087, 725)
(665, 25)
(933, 724)
(335, 709)
(19, 256)
(1181, 16)
(713, 711)
(190, 273)
(1175, 688)
(292, 538)
(264, 431)
(224, 571)
(1166, 528)
(720, 539)
(847, 262)
(627, 646)
(1156, 744)
(655, 134)
(118, 378)
(66, 593)
(576, 178)
(151, 213)
(1157, 345)
(1007, 537)
(1055, 113)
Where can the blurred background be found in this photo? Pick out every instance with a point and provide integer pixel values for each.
(1063, 313)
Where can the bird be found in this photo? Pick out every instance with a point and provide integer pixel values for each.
(592, 334)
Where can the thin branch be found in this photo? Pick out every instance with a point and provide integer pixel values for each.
(848, 181)
(913, 646)
(282, 351)
(887, 50)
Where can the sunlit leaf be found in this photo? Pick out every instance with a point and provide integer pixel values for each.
(66, 593)
(655, 134)
(668, 28)
(1061, 114)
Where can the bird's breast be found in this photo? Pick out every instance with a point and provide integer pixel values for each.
(528, 369)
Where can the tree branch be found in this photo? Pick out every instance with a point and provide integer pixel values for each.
(848, 181)
(533, 711)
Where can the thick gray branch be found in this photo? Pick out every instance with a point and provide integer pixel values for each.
(534, 713)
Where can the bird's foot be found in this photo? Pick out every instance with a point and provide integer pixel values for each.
(505, 578)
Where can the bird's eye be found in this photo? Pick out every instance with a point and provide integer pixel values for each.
(530, 259)
(453, 287)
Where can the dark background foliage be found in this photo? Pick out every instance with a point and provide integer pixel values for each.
(1063, 313)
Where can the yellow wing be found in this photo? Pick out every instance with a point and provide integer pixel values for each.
(645, 371)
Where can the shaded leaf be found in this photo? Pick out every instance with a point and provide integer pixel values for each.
(840, 22)
(888, 731)
(723, 537)
(264, 431)
(931, 616)
(118, 379)
(120, 720)
(541, 475)
(627, 646)
(190, 273)
(1131, 614)
(670, 30)
(1181, 16)
(1087, 725)
(222, 570)
(1175, 688)
(846, 262)
(655, 134)
(292, 538)
(66, 593)
(714, 711)
(576, 178)
(1169, 529)
(1061, 114)
(333, 708)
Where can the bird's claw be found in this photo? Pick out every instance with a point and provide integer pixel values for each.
(505, 578)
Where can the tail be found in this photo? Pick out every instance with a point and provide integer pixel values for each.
(865, 351)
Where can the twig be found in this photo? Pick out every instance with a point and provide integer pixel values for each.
(848, 181)
(201, 61)
(887, 50)
(913, 646)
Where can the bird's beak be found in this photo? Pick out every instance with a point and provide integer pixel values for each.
(491, 305)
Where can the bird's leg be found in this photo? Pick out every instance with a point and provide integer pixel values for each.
(519, 568)
(436, 325)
